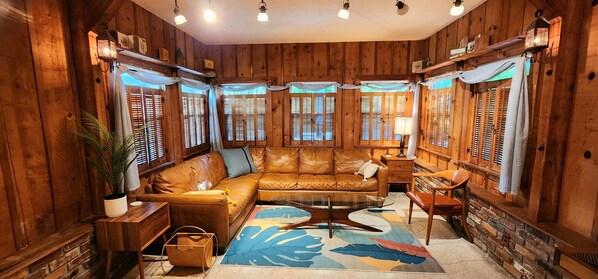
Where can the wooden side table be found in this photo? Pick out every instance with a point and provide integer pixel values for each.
(134, 231)
(400, 169)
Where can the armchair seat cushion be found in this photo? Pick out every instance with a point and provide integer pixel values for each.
(354, 182)
(278, 181)
(316, 182)
(424, 200)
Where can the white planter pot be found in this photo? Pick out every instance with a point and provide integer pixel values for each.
(115, 207)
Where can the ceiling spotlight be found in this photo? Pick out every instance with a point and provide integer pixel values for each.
(402, 8)
(178, 17)
(457, 8)
(262, 16)
(344, 12)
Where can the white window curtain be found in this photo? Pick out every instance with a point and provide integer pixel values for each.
(384, 86)
(517, 122)
(516, 131)
(122, 116)
(313, 85)
(123, 128)
(195, 84)
(412, 145)
(215, 134)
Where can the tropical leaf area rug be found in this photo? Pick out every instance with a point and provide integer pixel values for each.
(260, 243)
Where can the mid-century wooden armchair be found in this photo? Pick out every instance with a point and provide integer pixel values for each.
(440, 204)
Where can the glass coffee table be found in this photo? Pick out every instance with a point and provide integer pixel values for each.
(331, 208)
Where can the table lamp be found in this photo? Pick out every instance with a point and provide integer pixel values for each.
(403, 127)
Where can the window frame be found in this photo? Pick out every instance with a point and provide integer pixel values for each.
(201, 147)
(430, 130)
(313, 95)
(160, 161)
(359, 124)
(234, 142)
(481, 93)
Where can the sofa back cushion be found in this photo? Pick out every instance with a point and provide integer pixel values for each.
(176, 180)
(209, 167)
(316, 160)
(282, 160)
(259, 157)
(349, 160)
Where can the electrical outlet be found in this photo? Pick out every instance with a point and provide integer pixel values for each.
(505, 240)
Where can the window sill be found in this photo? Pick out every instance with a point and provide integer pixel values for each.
(156, 168)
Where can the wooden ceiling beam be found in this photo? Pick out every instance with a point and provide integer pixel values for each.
(552, 8)
(99, 12)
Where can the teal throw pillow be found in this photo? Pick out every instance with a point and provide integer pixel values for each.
(238, 161)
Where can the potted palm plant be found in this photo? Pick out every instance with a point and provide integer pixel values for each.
(113, 158)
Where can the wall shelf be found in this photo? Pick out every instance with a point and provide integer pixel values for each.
(139, 56)
(480, 52)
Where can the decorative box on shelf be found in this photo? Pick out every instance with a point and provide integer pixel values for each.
(123, 40)
(140, 44)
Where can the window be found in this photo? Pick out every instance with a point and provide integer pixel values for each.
(146, 107)
(437, 115)
(312, 116)
(195, 119)
(378, 112)
(489, 110)
(244, 117)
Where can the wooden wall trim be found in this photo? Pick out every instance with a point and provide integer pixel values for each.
(547, 179)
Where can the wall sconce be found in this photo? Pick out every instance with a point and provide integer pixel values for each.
(403, 127)
(537, 34)
(106, 47)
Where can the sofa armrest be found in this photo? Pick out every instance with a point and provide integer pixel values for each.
(382, 177)
(207, 211)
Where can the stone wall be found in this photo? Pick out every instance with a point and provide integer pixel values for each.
(77, 259)
(519, 248)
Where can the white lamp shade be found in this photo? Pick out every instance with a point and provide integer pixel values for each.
(403, 125)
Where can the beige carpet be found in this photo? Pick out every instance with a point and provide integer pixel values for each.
(458, 257)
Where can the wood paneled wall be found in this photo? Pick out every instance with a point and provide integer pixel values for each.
(43, 178)
(133, 19)
(347, 63)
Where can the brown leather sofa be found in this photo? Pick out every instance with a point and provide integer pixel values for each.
(280, 171)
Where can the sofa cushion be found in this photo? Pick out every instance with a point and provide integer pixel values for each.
(354, 182)
(316, 182)
(238, 203)
(238, 161)
(242, 185)
(176, 180)
(258, 154)
(278, 181)
(209, 167)
(316, 160)
(349, 160)
(282, 160)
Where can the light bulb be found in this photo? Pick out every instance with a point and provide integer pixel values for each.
(180, 19)
(209, 15)
(262, 16)
(343, 13)
(457, 10)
